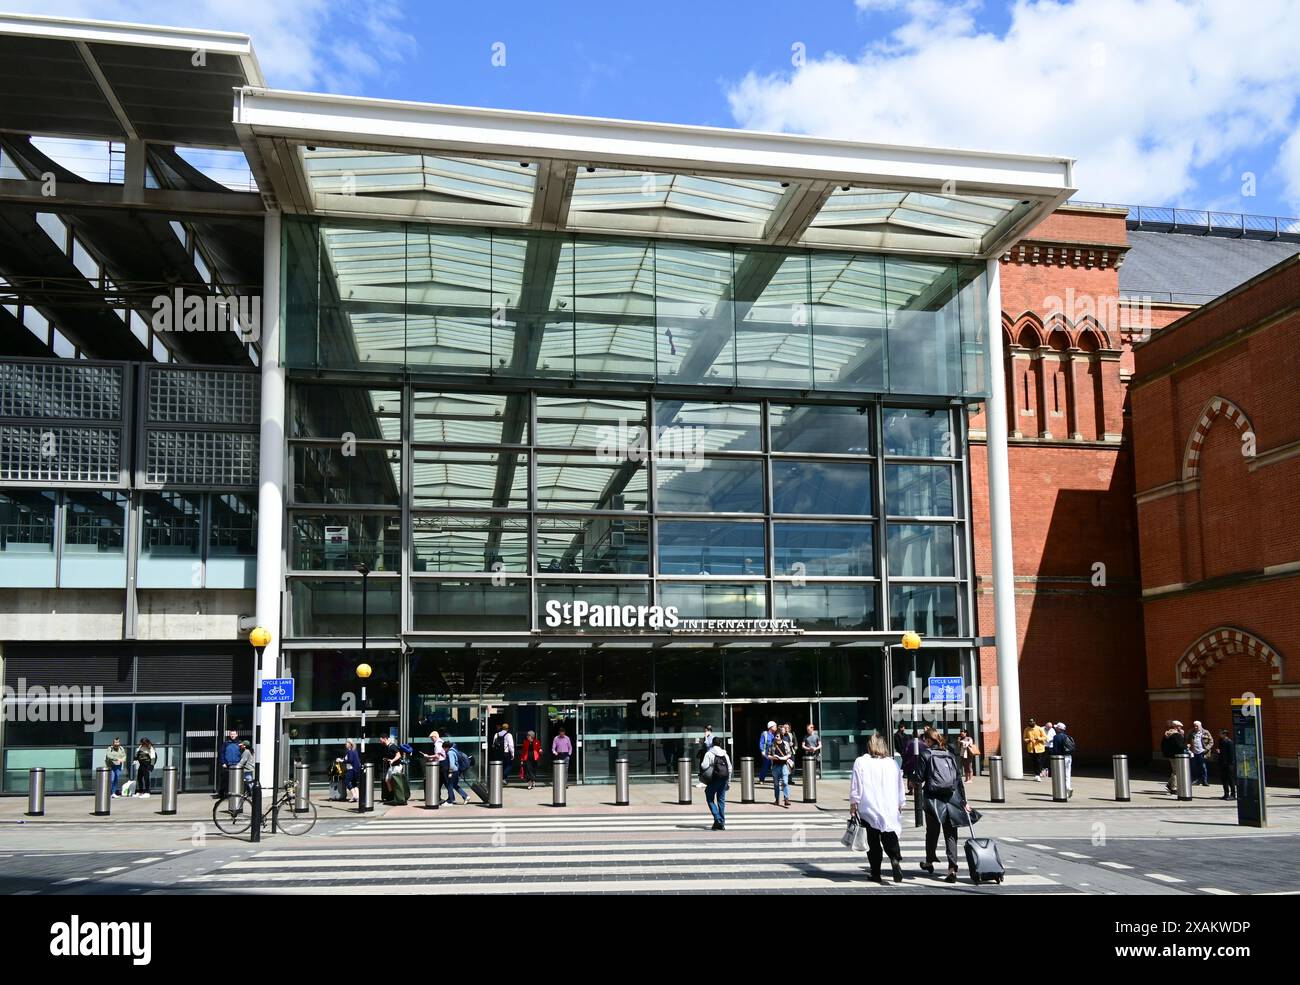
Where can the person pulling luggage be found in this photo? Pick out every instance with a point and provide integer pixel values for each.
(939, 776)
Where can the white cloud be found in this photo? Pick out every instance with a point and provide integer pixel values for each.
(330, 45)
(1142, 92)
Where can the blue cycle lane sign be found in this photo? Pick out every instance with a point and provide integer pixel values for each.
(277, 690)
(947, 689)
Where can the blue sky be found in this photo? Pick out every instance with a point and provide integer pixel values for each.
(1193, 103)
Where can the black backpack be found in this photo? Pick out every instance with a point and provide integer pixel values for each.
(940, 774)
(1067, 745)
(499, 746)
(720, 770)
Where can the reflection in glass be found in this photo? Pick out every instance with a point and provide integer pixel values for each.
(930, 610)
(688, 428)
(604, 545)
(826, 606)
(476, 606)
(472, 479)
(341, 541)
(590, 482)
(470, 418)
(772, 323)
(615, 427)
(594, 593)
(924, 332)
(695, 316)
(718, 485)
(27, 538)
(824, 549)
(94, 542)
(232, 541)
(701, 547)
(170, 540)
(611, 286)
(362, 297)
(324, 474)
(465, 542)
(920, 432)
(321, 411)
(714, 600)
(918, 490)
(821, 429)
(848, 321)
(918, 550)
(332, 606)
(454, 283)
(841, 488)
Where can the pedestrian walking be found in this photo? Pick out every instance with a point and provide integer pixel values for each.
(1200, 745)
(351, 770)
(246, 765)
(1049, 737)
(146, 757)
(781, 753)
(435, 760)
(229, 757)
(715, 772)
(114, 757)
(391, 756)
(1035, 740)
(702, 748)
(764, 744)
(968, 750)
(1171, 745)
(912, 759)
(945, 801)
(1063, 746)
(787, 733)
(877, 796)
(457, 766)
(503, 751)
(812, 746)
(561, 746)
(901, 739)
(530, 751)
(1227, 750)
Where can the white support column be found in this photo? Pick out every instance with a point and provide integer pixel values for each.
(1004, 599)
(270, 478)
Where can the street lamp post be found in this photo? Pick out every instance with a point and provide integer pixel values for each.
(261, 639)
(911, 642)
(363, 668)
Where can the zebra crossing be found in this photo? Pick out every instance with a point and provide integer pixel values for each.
(488, 855)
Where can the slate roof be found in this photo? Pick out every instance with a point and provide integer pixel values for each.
(1194, 268)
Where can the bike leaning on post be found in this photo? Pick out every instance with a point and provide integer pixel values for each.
(234, 815)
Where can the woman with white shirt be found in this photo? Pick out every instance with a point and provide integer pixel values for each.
(877, 796)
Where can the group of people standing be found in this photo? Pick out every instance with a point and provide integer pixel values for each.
(1200, 743)
(1044, 742)
(146, 758)
(777, 754)
(502, 749)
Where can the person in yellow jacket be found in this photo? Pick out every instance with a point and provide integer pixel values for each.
(1035, 746)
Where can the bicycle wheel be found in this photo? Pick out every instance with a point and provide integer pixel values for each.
(293, 822)
(233, 819)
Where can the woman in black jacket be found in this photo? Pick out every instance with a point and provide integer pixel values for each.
(939, 777)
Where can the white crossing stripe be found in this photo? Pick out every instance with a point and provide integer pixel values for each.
(1216, 892)
(109, 871)
(1041, 848)
(1073, 855)
(1160, 877)
(1115, 865)
(152, 858)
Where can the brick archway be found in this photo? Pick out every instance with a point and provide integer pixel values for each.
(1217, 407)
(1218, 645)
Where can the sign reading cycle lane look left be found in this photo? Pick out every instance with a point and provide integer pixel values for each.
(579, 615)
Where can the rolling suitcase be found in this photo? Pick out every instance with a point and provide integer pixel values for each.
(480, 791)
(401, 790)
(983, 859)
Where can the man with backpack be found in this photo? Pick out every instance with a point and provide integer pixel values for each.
(503, 751)
(457, 766)
(1063, 745)
(764, 747)
(939, 776)
(715, 773)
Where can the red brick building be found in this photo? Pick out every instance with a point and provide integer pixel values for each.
(1087, 286)
(1216, 424)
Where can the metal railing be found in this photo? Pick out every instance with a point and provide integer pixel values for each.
(1241, 225)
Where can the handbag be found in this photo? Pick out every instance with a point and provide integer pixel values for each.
(860, 843)
(850, 832)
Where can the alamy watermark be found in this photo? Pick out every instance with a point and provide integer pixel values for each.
(179, 312)
(56, 703)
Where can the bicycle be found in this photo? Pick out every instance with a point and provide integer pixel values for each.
(234, 815)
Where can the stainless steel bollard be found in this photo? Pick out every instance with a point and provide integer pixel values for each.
(234, 787)
(997, 781)
(685, 779)
(301, 787)
(622, 787)
(1183, 775)
(1059, 793)
(366, 795)
(171, 786)
(103, 791)
(496, 782)
(559, 783)
(36, 791)
(918, 813)
(1119, 762)
(432, 785)
(746, 779)
(810, 779)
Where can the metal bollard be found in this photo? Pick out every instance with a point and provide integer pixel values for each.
(432, 785)
(234, 787)
(366, 795)
(103, 792)
(1183, 775)
(622, 788)
(997, 781)
(171, 786)
(685, 779)
(1059, 793)
(1119, 763)
(36, 791)
(810, 779)
(301, 787)
(559, 783)
(746, 779)
(496, 781)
